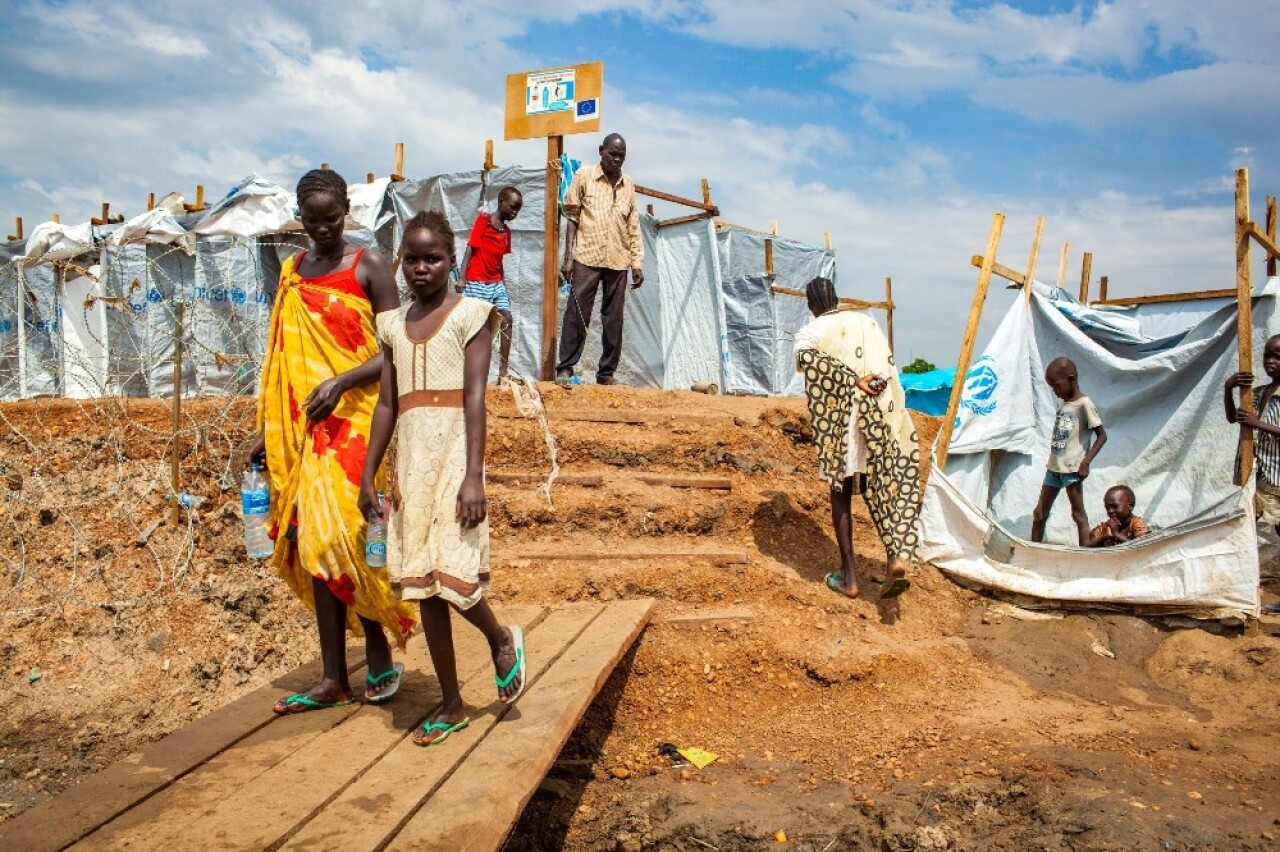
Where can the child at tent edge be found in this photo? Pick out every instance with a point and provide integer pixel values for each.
(1069, 454)
(482, 274)
(1264, 420)
(433, 382)
(1121, 524)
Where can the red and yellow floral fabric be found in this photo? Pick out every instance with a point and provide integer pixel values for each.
(320, 328)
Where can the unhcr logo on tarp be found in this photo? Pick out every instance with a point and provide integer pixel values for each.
(980, 385)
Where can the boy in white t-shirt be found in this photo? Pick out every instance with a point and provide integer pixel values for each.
(1070, 450)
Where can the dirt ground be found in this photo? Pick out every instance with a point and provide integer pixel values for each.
(946, 720)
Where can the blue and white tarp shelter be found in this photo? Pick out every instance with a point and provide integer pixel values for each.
(102, 321)
(929, 393)
(1155, 373)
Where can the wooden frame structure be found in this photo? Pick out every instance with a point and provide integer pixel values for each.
(1245, 230)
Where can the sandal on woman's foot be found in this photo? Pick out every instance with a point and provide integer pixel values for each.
(299, 703)
(393, 674)
(835, 581)
(893, 587)
(516, 671)
(434, 733)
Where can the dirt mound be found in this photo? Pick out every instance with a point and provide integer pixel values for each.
(940, 721)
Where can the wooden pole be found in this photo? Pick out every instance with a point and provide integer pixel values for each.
(551, 266)
(57, 220)
(706, 193)
(768, 258)
(1032, 259)
(370, 177)
(1102, 289)
(888, 297)
(1244, 320)
(397, 173)
(970, 337)
(324, 167)
(1062, 265)
(151, 201)
(17, 228)
(175, 514)
(649, 209)
(773, 227)
(826, 239)
(1086, 269)
(489, 165)
(1271, 232)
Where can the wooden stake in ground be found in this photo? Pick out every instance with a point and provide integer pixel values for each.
(1086, 268)
(888, 297)
(970, 336)
(1032, 259)
(1062, 265)
(1244, 320)
(550, 260)
(175, 509)
(1271, 232)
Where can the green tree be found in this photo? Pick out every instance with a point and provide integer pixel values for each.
(918, 366)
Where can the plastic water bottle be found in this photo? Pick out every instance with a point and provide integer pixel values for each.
(255, 501)
(375, 539)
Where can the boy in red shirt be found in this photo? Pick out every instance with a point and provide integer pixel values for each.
(482, 276)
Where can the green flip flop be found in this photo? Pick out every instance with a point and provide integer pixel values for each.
(299, 703)
(833, 579)
(518, 670)
(894, 587)
(446, 728)
(372, 682)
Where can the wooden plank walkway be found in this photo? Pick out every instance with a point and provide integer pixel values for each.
(350, 778)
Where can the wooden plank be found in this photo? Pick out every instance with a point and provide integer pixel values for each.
(703, 616)
(1032, 259)
(1271, 232)
(482, 808)
(719, 483)
(1244, 321)
(377, 803)
(844, 300)
(1086, 269)
(1164, 298)
(550, 255)
(64, 819)
(682, 220)
(175, 809)
(641, 417)
(1268, 243)
(582, 479)
(674, 199)
(1000, 270)
(275, 803)
(1062, 265)
(768, 258)
(566, 553)
(1102, 289)
(987, 267)
(888, 299)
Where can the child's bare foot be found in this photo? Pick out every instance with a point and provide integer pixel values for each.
(325, 694)
(440, 725)
(509, 664)
(836, 582)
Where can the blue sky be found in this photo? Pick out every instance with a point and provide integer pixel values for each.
(900, 127)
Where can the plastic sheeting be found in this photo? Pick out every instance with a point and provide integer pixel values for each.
(703, 314)
(929, 393)
(1158, 388)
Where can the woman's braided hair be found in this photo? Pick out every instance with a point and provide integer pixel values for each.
(322, 180)
(820, 293)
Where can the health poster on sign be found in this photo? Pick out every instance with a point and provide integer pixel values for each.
(549, 91)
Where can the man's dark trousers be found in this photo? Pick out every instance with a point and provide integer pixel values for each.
(577, 313)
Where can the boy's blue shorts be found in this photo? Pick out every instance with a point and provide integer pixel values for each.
(1053, 479)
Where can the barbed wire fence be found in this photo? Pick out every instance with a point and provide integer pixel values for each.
(106, 473)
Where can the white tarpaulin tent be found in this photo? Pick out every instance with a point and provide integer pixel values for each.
(700, 316)
(1155, 373)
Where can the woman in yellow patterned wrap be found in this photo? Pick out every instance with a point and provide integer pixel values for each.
(318, 391)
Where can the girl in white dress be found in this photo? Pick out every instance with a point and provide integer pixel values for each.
(433, 381)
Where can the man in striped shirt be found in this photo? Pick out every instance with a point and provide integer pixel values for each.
(601, 242)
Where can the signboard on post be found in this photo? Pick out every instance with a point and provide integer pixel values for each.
(551, 103)
(554, 101)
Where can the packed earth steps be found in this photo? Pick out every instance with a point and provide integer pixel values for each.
(942, 720)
